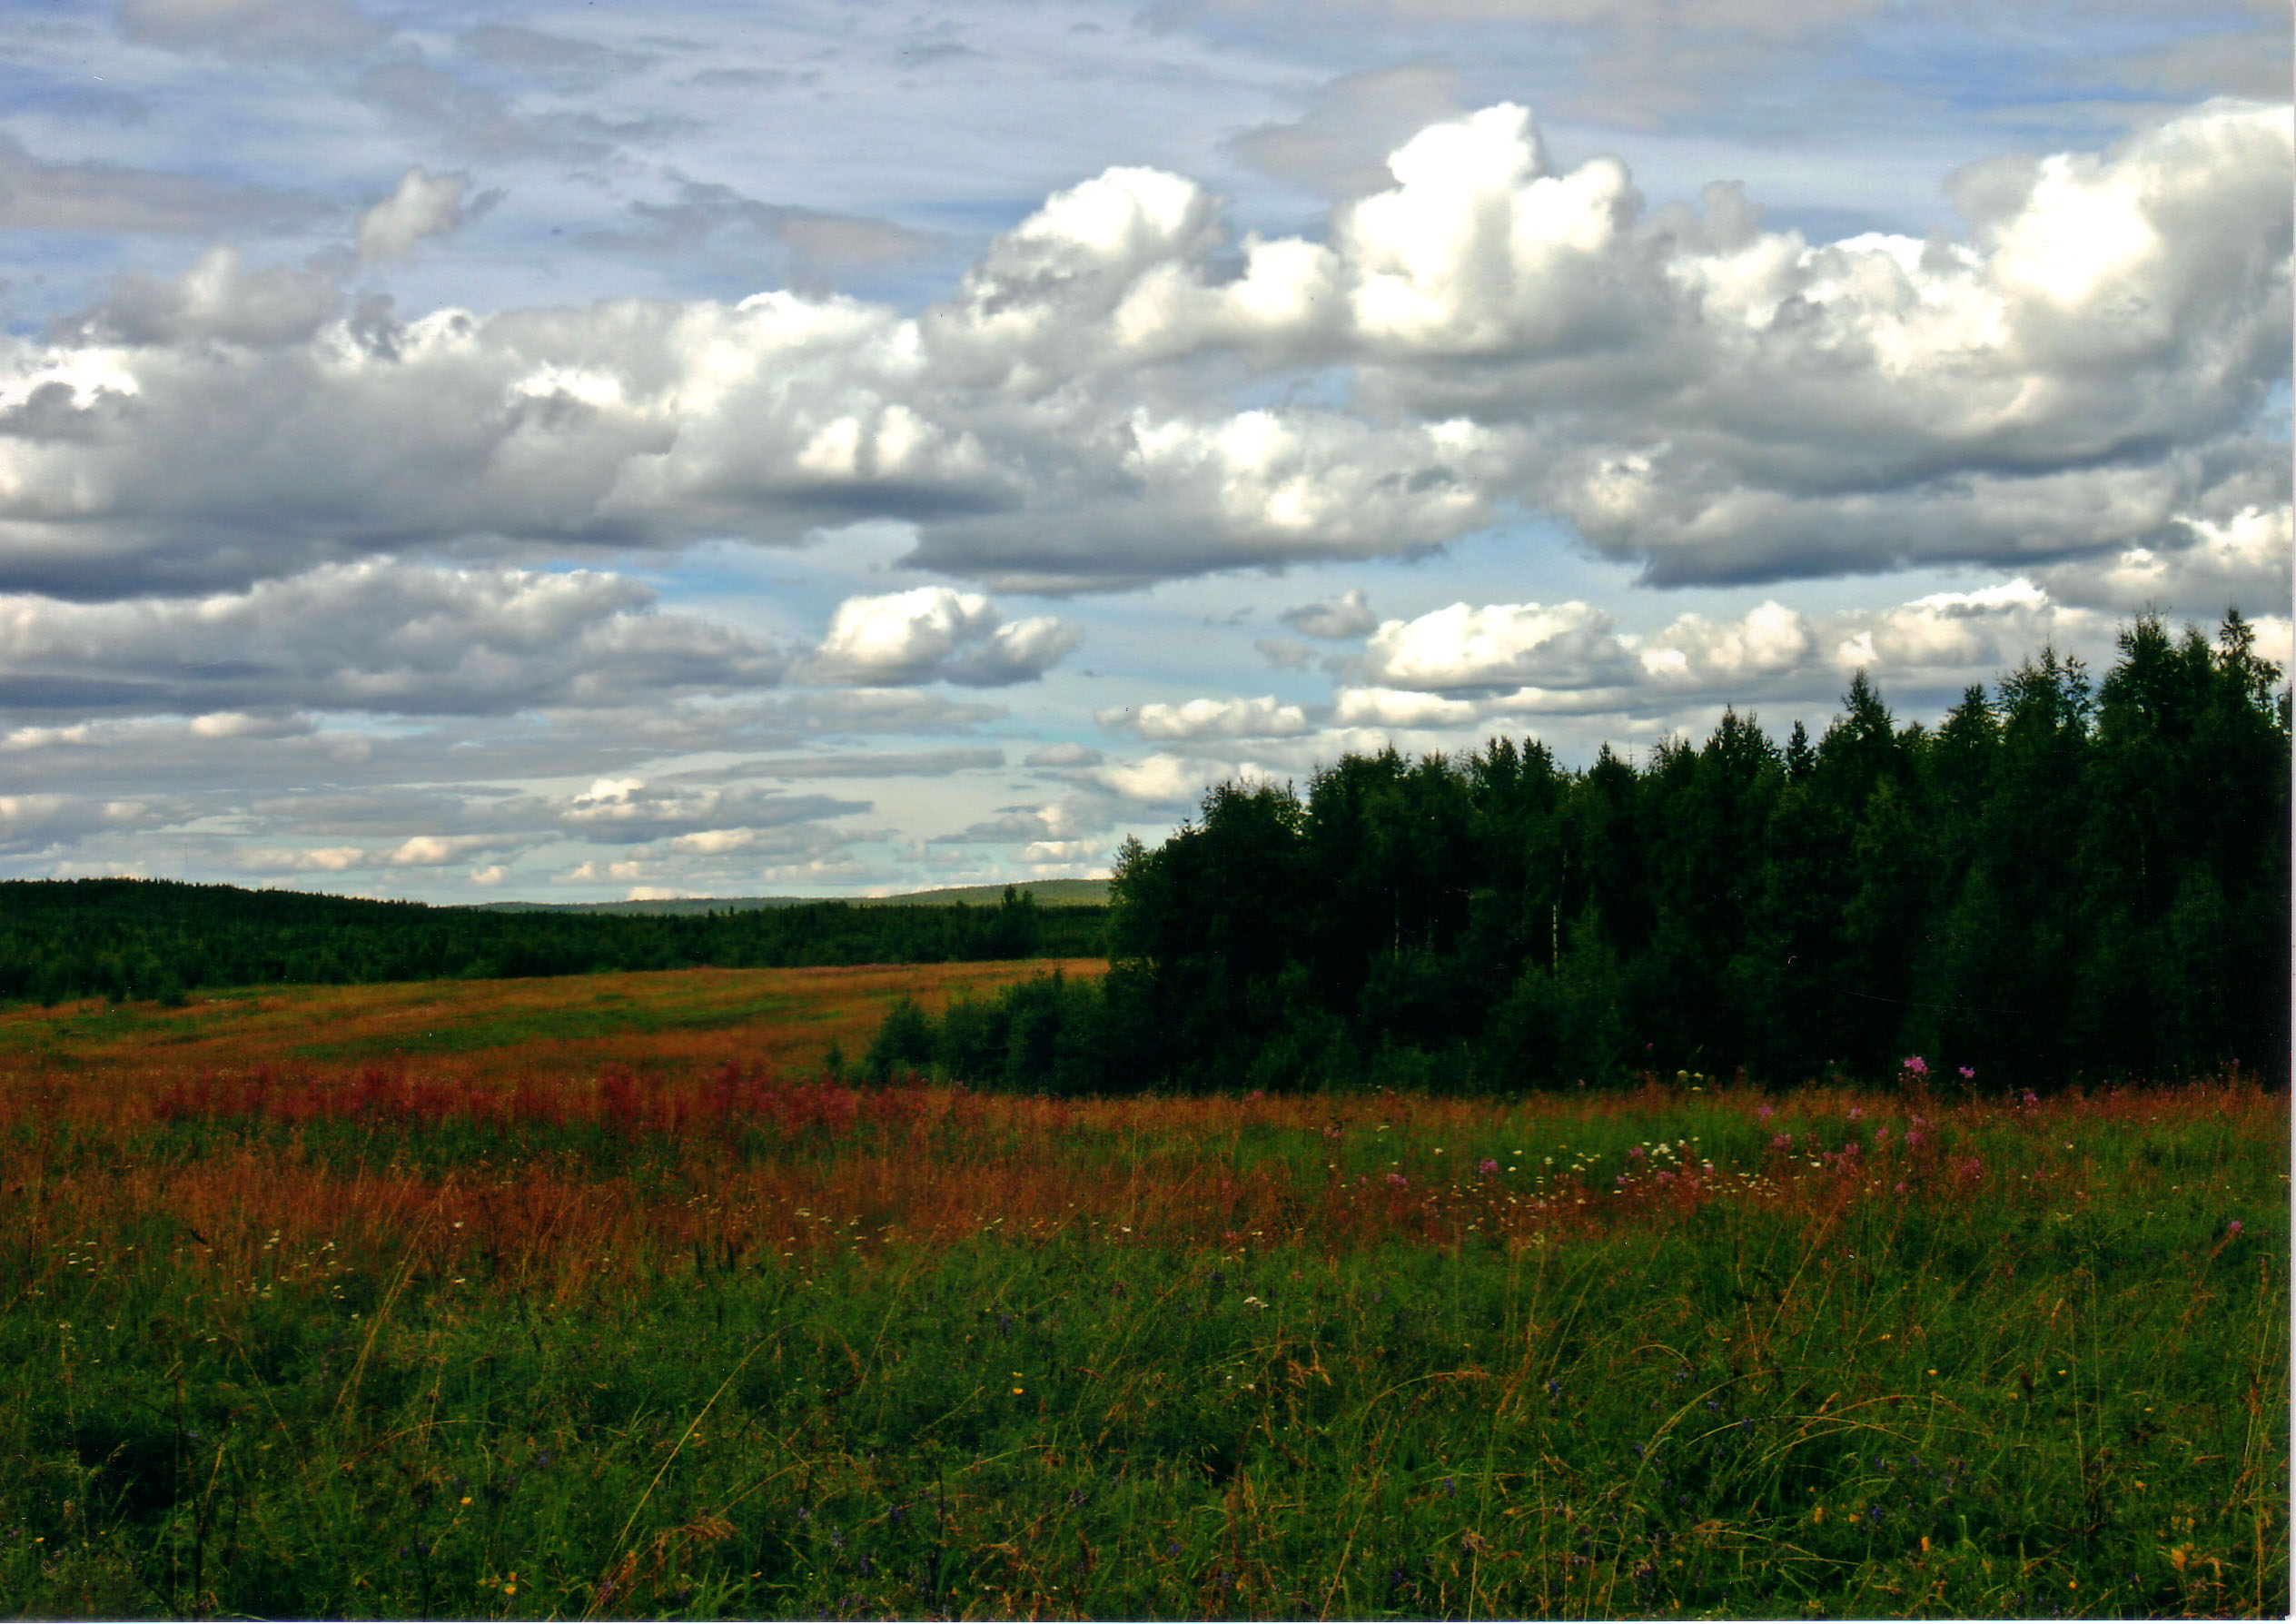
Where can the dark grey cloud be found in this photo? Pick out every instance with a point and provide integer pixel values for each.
(534, 51)
(477, 119)
(857, 764)
(38, 824)
(376, 637)
(220, 297)
(1338, 146)
(1339, 619)
(807, 245)
(631, 811)
(252, 29)
(43, 194)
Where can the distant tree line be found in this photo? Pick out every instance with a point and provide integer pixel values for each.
(124, 938)
(2061, 880)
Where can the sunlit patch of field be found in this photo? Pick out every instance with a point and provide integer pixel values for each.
(694, 1332)
(564, 1025)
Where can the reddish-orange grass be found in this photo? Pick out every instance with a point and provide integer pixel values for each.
(469, 1173)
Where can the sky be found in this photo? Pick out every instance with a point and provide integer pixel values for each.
(485, 451)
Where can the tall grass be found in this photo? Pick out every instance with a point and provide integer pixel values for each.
(414, 1342)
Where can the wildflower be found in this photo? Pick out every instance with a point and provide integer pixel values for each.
(1397, 1180)
(1858, 1114)
(1766, 1112)
(1636, 1154)
(1489, 1166)
(2234, 1231)
(1915, 1066)
(1780, 1141)
(2031, 1098)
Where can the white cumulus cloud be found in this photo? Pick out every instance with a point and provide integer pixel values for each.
(1263, 717)
(937, 633)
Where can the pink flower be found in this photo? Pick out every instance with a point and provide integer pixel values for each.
(1858, 1114)
(1489, 1166)
(1968, 1073)
(2031, 1098)
(1901, 1186)
(2233, 1230)
(1766, 1112)
(1913, 1137)
(1782, 1141)
(1915, 1066)
(1397, 1180)
(1636, 1154)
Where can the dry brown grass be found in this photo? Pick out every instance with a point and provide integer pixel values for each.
(665, 1020)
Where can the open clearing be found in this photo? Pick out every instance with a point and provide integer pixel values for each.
(565, 1025)
(639, 1320)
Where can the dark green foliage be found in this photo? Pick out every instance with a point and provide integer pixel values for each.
(156, 940)
(2060, 881)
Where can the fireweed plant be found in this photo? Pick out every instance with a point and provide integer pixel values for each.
(686, 1340)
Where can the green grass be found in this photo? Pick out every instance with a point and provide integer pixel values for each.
(2066, 1391)
(607, 1017)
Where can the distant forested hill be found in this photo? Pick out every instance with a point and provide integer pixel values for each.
(2061, 880)
(158, 939)
(1055, 893)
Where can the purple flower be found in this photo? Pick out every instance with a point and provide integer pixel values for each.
(1901, 1186)
(2234, 1231)
(1915, 1066)
(1397, 1180)
(1636, 1154)
(2031, 1098)
(1913, 1137)
(1489, 1166)
(1782, 1141)
(1766, 1112)
(1968, 1074)
(1665, 1177)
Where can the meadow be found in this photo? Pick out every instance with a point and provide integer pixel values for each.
(311, 1321)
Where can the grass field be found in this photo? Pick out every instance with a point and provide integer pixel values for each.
(490, 1030)
(646, 1321)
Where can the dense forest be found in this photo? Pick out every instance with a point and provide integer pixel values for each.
(2059, 881)
(122, 939)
